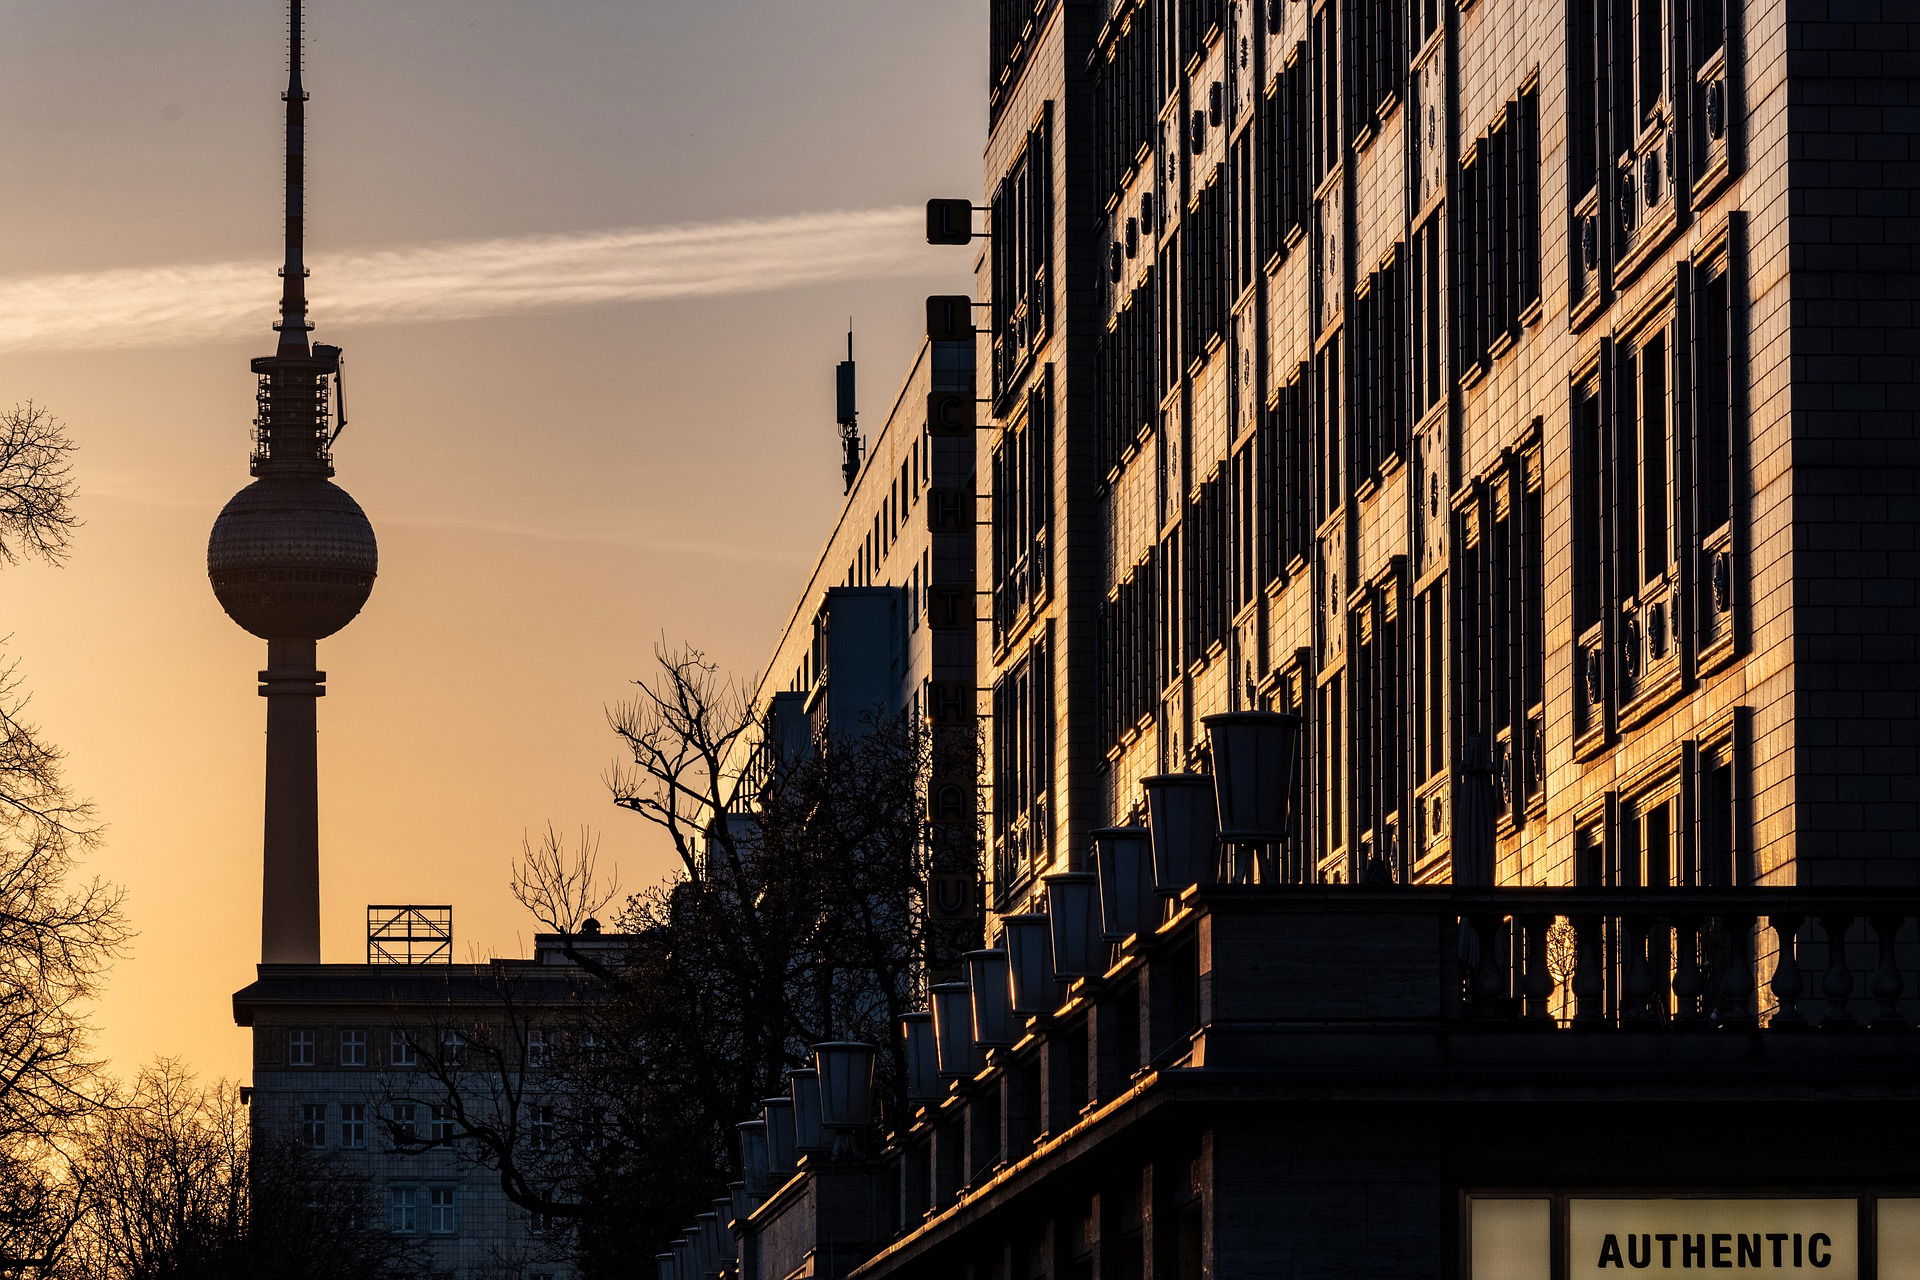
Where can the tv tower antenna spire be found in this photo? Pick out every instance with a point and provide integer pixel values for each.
(294, 325)
(292, 559)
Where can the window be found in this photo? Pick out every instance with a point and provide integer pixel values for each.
(313, 1124)
(442, 1123)
(1376, 57)
(353, 1125)
(1175, 605)
(539, 1048)
(1022, 469)
(1502, 627)
(1590, 577)
(1207, 568)
(1586, 97)
(1499, 231)
(1125, 106)
(1022, 767)
(1718, 374)
(1127, 656)
(1331, 735)
(540, 1129)
(1285, 448)
(1431, 772)
(1654, 851)
(1426, 23)
(1645, 499)
(1378, 369)
(1589, 507)
(353, 1048)
(1647, 37)
(1426, 299)
(1323, 56)
(1327, 392)
(1724, 859)
(453, 1048)
(300, 1048)
(1201, 20)
(1380, 731)
(1246, 217)
(1021, 239)
(1714, 372)
(1709, 49)
(1244, 527)
(1642, 532)
(1202, 241)
(404, 1114)
(1009, 23)
(400, 1050)
(1129, 393)
(442, 1219)
(1285, 131)
(401, 1209)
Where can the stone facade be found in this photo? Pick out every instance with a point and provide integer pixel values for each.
(1473, 379)
(1519, 391)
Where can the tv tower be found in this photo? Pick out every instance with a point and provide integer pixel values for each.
(292, 559)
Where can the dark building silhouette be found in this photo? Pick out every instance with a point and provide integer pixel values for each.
(1520, 393)
(292, 559)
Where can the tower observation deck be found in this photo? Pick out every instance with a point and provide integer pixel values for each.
(292, 559)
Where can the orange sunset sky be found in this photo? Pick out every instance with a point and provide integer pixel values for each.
(591, 263)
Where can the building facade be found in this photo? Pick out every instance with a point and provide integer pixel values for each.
(346, 1055)
(1509, 386)
(885, 624)
(1518, 391)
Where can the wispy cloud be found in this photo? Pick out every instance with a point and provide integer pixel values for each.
(155, 306)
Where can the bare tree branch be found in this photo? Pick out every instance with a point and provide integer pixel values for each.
(36, 485)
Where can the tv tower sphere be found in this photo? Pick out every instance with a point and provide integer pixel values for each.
(292, 557)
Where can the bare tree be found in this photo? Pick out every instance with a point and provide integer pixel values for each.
(561, 890)
(57, 934)
(36, 485)
(172, 1188)
(795, 915)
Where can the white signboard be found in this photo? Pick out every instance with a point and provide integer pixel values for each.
(1726, 1239)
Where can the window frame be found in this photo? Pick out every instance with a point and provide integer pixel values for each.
(303, 1047)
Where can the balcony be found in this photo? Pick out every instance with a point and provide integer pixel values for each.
(1251, 1000)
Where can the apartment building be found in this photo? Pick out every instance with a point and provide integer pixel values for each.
(347, 1055)
(885, 623)
(1519, 392)
(1489, 383)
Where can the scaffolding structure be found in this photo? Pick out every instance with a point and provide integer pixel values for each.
(409, 933)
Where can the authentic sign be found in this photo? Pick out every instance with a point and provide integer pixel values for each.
(1697, 1239)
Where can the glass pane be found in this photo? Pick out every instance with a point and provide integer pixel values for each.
(1512, 1239)
(1899, 1238)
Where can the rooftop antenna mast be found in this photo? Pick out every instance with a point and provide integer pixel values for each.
(849, 417)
